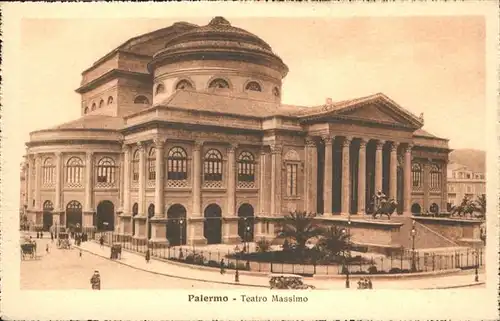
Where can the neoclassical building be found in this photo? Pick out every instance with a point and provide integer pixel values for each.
(183, 136)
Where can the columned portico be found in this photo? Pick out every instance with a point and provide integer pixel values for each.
(276, 186)
(379, 165)
(393, 175)
(346, 180)
(328, 176)
(126, 216)
(57, 197)
(88, 210)
(407, 181)
(140, 219)
(362, 177)
(158, 226)
(311, 174)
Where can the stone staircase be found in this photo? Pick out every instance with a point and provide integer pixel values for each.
(425, 237)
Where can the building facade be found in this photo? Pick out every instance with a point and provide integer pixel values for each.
(183, 137)
(462, 183)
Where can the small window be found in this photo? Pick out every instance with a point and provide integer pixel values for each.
(110, 100)
(416, 170)
(101, 103)
(135, 166)
(177, 164)
(276, 92)
(213, 165)
(141, 100)
(106, 170)
(246, 167)
(253, 86)
(135, 209)
(160, 89)
(152, 164)
(219, 83)
(86, 111)
(93, 106)
(183, 85)
(291, 179)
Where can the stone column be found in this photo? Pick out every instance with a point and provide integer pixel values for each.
(378, 166)
(159, 184)
(407, 181)
(346, 179)
(38, 176)
(425, 184)
(127, 223)
(328, 176)
(276, 184)
(88, 182)
(58, 190)
(362, 177)
(197, 178)
(444, 187)
(311, 179)
(263, 184)
(393, 175)
(29, 182)
(142, 179)
(231, 180)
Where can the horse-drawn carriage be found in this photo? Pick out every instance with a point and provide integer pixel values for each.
(288, 281)
(28, 249)
(63, 241)
(116, 251)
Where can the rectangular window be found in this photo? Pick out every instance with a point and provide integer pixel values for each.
(291, 181)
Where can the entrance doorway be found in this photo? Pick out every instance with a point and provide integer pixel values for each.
(176, 225)
(246, 222)
(212, 227)
(415, 208)
(104, 220)
(73, 214)
(47, 215)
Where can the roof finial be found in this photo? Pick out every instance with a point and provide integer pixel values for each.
(219, 21)
(421, 118)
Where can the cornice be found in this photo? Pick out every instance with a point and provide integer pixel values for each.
(72, 142)
(112, 74)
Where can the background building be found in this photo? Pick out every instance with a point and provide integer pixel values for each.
(183, 136)
(464, 182)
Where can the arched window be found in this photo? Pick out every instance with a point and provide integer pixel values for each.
(135, 209)
(74, 170)
(86, 111)
(101, 103)
(93, 106)
(183, 84)
(110, 100)
(141, 100)
(152, 164)
(177, 164)
(106, 170)
(218, 83)
(416, 173)
(135, 166)
(160, 89)
(48, 171)
(276, 92)
(246, 167)
(213, 165)
(253, 86)
(435, 177)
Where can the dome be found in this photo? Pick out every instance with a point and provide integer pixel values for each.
(219, 40)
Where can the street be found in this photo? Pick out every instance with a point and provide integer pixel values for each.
(64, 269)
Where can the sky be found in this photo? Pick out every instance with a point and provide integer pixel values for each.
(431, 65)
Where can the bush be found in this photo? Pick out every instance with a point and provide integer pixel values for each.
(213, 263)
(372, 269)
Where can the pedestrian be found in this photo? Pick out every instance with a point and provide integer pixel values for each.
(95, 280)
(222, 270)
(370, 285)
(52, 236)
(37, 234)
(360, 284)
(80, 253)
(101, 241)
(47, 248)
(148, 257)
(41, 234)
(237, 276)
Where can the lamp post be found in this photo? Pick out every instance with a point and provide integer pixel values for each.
(181, 222)
(347, 232)
(413, 234)
(247, 231)
(476, 276)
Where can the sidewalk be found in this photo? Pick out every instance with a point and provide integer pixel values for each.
(184, 271)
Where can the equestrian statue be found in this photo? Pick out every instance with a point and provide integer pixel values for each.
(383, 206)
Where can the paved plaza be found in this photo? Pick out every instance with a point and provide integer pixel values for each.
(64, 270)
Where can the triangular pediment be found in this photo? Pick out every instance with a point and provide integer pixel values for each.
(374, 113)
(377, 109)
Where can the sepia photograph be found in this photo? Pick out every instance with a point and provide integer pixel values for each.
(280, 157)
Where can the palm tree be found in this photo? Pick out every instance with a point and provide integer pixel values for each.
(299, 226)
(333, 241)
(480, 205)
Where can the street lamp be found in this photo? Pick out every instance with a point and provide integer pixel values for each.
(476, 277)
(247, 231)
(181, 222)
(347, 232)
(413, 234)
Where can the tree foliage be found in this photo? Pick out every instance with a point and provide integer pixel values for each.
(300, 227)
(333, 241)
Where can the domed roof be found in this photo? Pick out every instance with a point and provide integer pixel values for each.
(219, 40)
